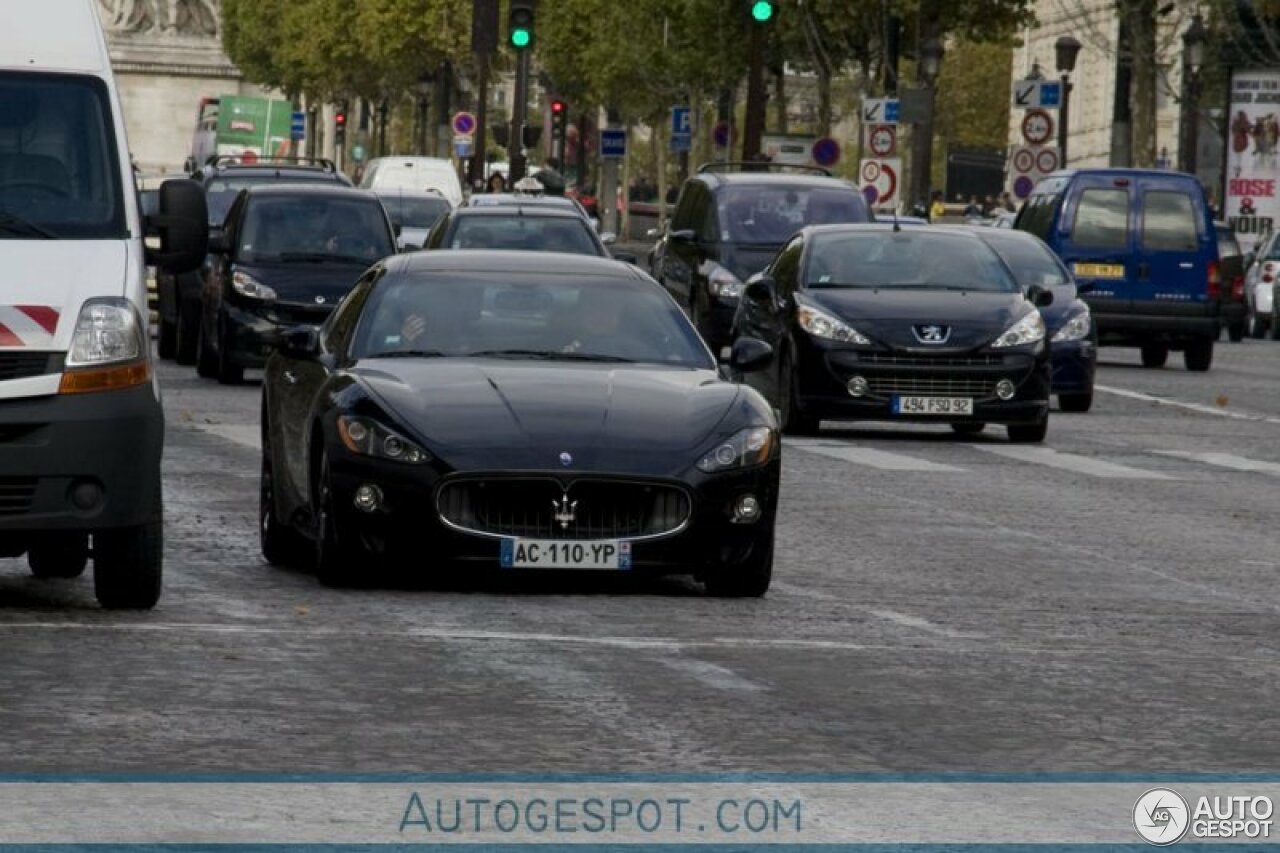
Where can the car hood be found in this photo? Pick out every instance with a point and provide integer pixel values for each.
(304, 282)
(498, 414)
(888, 316)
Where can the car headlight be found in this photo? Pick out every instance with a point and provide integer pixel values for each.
(107, 331)
(746, 448)
(247, 285)
(820, 324)
(1028, 330)
(1075, 329)
(723, 284)
(367, 437)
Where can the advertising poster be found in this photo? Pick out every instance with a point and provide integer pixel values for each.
(1253, 161)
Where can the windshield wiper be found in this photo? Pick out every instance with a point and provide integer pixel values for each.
(409, 353)
(548, 355)
(12, 224)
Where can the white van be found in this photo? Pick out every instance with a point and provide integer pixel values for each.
(81, 426)
(418, 173)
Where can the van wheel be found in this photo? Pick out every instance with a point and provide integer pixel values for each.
(188, 332)
(1076, 402)
(1155, 355)
(1198, 355)
(1029, 433)
(62, 556)
(167, 340)
(206, 359)
(1235, 332)
(127, 566)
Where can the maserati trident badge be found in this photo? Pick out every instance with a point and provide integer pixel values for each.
(566, 511)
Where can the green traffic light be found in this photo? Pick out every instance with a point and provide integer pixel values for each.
(762, 11)
(520, 38)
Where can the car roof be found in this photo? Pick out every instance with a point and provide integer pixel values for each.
(886, 227)
(1125, 173)
(517, 262)
(262, 171)
(772, 179)
(285, 188)
(509, 199)
(540, 211)
(410, 192)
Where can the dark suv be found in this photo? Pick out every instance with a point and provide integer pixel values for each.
(729, 222)
(223, 177)
(286, 256)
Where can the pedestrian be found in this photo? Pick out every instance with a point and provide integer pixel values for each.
(1006, 201)
(973, 210)
(938, 207)
(989, 207)
(497, 183)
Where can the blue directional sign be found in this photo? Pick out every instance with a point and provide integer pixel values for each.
(1050, 95)
(613, 143)
(891, 111)
(298, 126)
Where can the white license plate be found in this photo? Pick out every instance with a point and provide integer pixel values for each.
(932, 405)
(556, 554)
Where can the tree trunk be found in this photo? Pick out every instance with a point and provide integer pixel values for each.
(780, 96)
(1142, 29)
(824, 102)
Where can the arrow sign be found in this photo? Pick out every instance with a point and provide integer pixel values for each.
(871, 110)
(1026, 94)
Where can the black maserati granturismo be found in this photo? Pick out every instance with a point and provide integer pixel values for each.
(516, 411)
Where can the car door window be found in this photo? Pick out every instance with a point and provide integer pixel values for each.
(1102, 219)
(337, 331)
(683, 218)
(1169, 222)
(786, 268)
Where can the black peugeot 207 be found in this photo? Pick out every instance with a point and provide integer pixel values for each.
(517, 410)
(286, 255)
(876, 322)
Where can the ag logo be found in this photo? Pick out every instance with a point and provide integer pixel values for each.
(1161, 817)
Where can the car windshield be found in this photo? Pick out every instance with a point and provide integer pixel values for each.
(771, 214)
(1032, 262)
(314, 227)
(59, 167)
(415, 211)
(911, 258)
(556, 318)
(525, 231)
(221, 192)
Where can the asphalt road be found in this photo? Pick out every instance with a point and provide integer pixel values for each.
(1107, 603)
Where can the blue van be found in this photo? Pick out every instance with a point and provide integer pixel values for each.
(1142, 248)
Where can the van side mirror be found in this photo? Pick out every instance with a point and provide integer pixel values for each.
(219, 242)
(300, 342)
(182, 223)
(749, 355)
(1039, 296)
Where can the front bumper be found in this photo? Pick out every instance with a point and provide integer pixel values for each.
(408, 529)
(1072, 366)
(52, 445)
(824, 374)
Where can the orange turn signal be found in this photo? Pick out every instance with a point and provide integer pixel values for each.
(87, 380)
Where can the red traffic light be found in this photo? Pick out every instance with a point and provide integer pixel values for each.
(557, 106)
(340, 119)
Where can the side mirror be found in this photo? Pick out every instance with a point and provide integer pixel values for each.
(608, 238)
(219, 242)
(1039, 296)
(749, 355)
(182, 223)
(300, 342)
(760, 288)
(684, 235)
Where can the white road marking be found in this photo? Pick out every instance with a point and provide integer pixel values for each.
(872, 458)
(1070, 462)
(908, 621)
(713, 675)
(1192, 407)
(248, 435)
(1224, 460)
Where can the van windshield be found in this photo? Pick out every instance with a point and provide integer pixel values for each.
(59, 166)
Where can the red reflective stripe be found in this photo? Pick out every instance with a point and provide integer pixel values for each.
(44, 315)
(9, 339)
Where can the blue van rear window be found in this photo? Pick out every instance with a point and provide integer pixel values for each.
(1102, 219)
(1169, 222)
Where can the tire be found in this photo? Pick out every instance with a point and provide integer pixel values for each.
(63, 556)
(128, 566)
(1155, 355)
(1082, 402)
(281, 544)
(1028, 433)
(188, 334)
(337, 564)
(792, 420)
(748, 579)
(206, 358)
(228, 373)
(167, 343)
(1235, 332)
(1198, 356)
(968, 427)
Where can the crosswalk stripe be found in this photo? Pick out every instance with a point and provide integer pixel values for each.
(1224, 460)
(1070, 462)
(881, 459)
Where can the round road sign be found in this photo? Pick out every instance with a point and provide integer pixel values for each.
(826, 151)
(1047, 160)
(721, 135)
(870, 171)
(871, 194)
(883, 139)
(1023, 187)
(464, 123)
(881, 176)
(1024, 160)
(1037, 127)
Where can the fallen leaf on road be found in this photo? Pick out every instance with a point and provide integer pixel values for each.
(303, 611)
(1222, 401)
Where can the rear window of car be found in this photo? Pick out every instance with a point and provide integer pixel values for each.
(1102, 219)
(524, 232)
(1032, 262)
(769, 215)
(1169, 222)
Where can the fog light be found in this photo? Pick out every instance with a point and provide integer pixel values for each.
(368, 498)
(86, 495)
(1006, 389)
(747, 509)
(857, 386)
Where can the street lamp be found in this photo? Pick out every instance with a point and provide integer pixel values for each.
(423, 88)
(1193, 44)
(929, 64)
(1065, 49)
(931, 53)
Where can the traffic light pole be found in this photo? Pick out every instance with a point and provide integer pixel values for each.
(753, 130)
(479, 158)
(519, 114)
